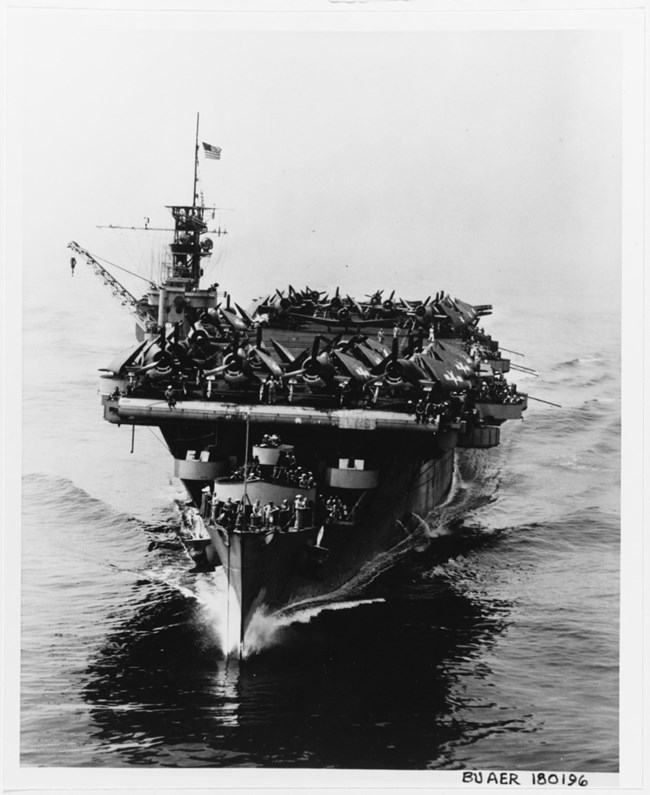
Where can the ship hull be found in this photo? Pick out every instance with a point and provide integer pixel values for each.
(269, 571)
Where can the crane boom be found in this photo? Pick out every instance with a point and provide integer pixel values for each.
(119, 290)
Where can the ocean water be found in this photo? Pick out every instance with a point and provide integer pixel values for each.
(494, 646)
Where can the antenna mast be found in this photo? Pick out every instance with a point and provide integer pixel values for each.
(196, 161)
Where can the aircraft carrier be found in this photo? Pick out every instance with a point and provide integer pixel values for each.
(313, 431)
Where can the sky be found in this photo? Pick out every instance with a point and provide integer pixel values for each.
(465, 160)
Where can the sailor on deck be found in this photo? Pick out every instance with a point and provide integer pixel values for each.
(272, 388)
(270, 513)
(257, 515)
(215, 505)
(228, 513)
(169, 397)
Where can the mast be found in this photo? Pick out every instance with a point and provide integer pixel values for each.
(196, 161)
(187, 248)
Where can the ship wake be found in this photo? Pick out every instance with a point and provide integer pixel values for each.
(266, 627)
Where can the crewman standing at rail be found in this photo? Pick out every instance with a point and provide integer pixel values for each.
(169, 397)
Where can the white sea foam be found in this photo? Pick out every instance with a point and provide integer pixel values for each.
(265, 627)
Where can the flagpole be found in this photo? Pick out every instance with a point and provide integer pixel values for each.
(196, 160)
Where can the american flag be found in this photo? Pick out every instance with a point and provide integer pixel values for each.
(213, 152)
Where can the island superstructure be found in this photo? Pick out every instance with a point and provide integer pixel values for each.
(313, 431)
